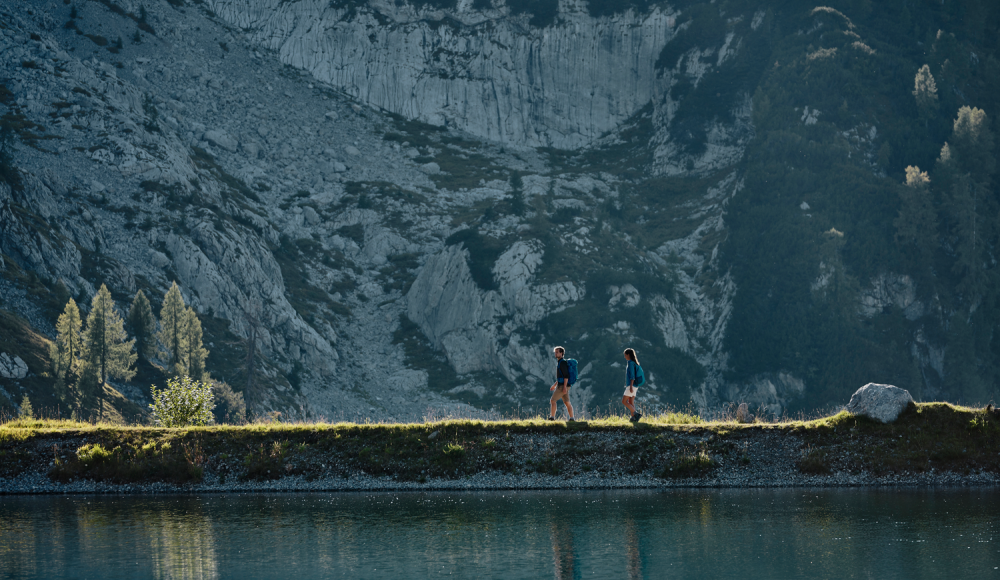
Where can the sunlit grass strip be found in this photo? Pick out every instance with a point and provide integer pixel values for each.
(17, 428)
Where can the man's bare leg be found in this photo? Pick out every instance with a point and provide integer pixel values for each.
(569, 406)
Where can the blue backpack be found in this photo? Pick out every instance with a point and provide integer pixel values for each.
(572, 370)
(640, 377)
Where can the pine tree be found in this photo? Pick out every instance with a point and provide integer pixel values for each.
(69, 343)
(966, 167)
(925, 91)
(142, 325)
(88, 386)
(172, 334)
(27, 411)
(916, 224)
(194, 353)
(108, 351)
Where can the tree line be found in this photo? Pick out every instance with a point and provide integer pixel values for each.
(86, 353)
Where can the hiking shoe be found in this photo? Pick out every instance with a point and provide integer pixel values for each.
(550, 418)
(634, 417)
(637, 416)
(571, 420)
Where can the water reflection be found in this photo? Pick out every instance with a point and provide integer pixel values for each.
(688, 534)
(562, 549)
(182, 546)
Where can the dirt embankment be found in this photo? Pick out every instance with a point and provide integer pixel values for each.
(933, 444)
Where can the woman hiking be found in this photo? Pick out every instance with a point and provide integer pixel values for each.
(560, 388)
(634, 378)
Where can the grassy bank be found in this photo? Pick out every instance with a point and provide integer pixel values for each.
(931, 437)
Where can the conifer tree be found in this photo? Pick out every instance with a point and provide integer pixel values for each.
(88, 386)
(916, 224)
(966, 167)
(108, 351)
(172, 317)
(69, 343)
(194, 353)
(925, 91)
(142, 325)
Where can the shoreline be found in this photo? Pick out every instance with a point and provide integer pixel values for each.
(38, 484)
(931, 445)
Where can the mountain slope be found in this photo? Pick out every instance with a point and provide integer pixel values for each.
(418, 200)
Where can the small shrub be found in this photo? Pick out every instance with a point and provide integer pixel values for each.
(689, 465)
(454, 450)
(265, 462)
(184, 402)
(814, 462)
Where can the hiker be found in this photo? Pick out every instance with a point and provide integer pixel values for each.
(634, 378)
(560, 388)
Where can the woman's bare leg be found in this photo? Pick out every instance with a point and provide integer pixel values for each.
(629, 403)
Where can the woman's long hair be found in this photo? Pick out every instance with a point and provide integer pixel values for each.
(630, 353)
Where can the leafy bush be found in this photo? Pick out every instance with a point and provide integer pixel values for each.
(184, 402)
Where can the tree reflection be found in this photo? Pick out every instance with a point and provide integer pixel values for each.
(182, 546)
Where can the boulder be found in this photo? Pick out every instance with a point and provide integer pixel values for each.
(880, 402)
(430, 168)
(12, 367)
(220, 139)
(312, 218)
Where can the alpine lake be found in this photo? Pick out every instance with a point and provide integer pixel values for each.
(680, 533)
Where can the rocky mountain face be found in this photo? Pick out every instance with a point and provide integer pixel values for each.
(416, 200)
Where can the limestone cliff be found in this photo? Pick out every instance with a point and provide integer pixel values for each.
(485, 72)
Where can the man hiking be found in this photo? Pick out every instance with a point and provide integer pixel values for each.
(560, 388)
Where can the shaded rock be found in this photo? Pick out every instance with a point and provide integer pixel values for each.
(352, 151)
(880, 402)
(309, 214)
(220, 139)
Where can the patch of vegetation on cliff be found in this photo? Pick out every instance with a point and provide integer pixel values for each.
(304, 296)
(543, 12)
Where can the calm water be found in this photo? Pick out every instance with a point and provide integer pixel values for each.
(612, 534)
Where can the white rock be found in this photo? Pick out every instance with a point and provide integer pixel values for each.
(880, 402)
(352, 151)
(12, 367)
(430, 168)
